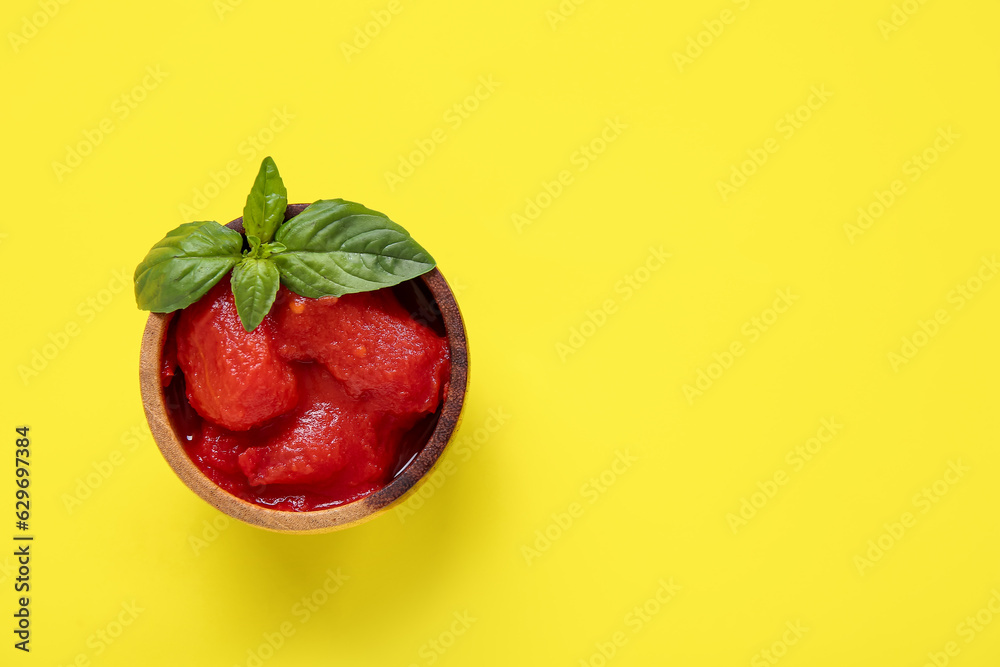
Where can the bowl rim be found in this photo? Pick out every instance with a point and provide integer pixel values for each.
(343, 516)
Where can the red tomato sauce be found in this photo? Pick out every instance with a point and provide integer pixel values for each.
(318, 406)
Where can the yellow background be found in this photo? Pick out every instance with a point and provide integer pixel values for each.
(524, 289)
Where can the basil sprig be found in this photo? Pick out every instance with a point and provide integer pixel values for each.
(337, 247)
(333, 247)
(265, 208)
(184, 265)
(255, 284)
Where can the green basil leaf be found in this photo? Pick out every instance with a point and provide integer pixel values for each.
(255, 284)
(336, 247)
(265, 208)
(184, 265)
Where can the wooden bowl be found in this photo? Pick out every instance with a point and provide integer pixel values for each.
(405, 482)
